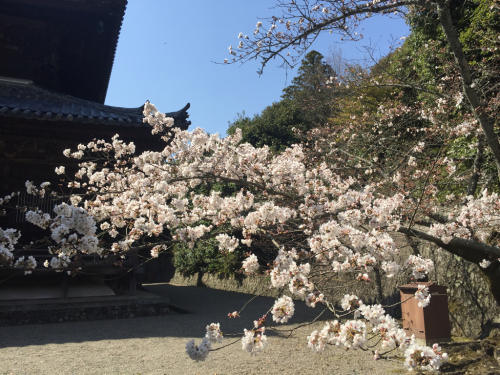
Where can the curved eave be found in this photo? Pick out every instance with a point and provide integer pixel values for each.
(26, 100)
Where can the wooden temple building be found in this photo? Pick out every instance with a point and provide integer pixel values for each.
(56, 58)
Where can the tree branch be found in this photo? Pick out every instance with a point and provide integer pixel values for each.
(478, 162)
(469, 250)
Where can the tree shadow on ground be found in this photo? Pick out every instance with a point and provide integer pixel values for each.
(198, 307)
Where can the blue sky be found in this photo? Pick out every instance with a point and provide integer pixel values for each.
(167, 48)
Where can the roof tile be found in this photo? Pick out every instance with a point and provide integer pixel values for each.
(27, 100)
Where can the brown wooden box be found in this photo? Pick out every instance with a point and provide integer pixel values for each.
(429, 324)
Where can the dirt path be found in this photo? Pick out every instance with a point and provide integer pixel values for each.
(155, 345)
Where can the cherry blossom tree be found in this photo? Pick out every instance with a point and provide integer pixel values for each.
(459, 112)
(320, 210)
(317, 222)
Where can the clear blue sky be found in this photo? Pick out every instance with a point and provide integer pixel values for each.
(167, 48)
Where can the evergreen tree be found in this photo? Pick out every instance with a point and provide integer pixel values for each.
(313, 90)
(307, 102)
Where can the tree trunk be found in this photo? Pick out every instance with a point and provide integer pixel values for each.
(463, 65)
(478, 162)
(378, 285)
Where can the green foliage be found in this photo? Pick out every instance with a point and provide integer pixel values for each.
(226, 189)
(477, 23)
(306, 103)
(205, 257)
(274, 127)
(480, 37)
(425, 22)
(313, 72)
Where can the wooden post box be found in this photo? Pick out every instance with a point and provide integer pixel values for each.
(429, 324)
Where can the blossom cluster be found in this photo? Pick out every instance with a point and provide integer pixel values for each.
(250, 264)
(429, 359)
(213, 333)
(477, 219)
(422, 295)
(28, 264)
(283, 309)
(420, 266)
(198, 352)
(254, 341)
(8, 240)
(73, 231)
(350, 335)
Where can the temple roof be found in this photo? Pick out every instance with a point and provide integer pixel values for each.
(24, 99)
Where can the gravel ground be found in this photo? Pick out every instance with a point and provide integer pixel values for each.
(155, 345)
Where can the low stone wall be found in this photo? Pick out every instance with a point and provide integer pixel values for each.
(473, 310)
(82, 314)
(257, 285)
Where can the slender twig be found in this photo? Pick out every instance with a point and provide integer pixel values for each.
(299, 326)
(225, 346)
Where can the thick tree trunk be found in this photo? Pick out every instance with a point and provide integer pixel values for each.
(463, 65)
(378, 285)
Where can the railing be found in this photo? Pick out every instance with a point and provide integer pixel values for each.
(34, 203)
